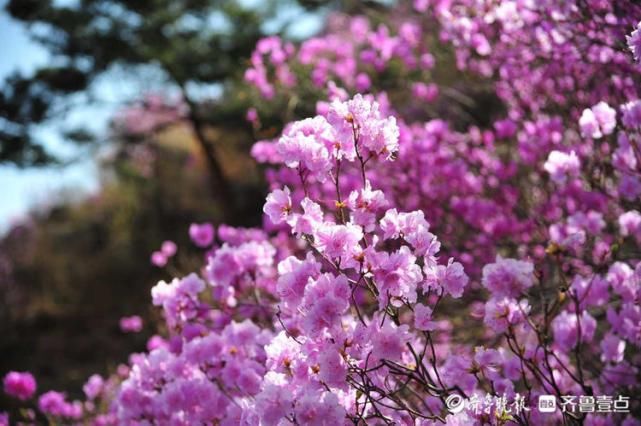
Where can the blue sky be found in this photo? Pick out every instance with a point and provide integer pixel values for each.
(23, 189)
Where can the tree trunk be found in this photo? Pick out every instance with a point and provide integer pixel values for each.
(218, 184)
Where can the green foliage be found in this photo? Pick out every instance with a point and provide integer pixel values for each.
(187, 41)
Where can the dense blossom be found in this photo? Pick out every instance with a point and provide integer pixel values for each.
(412, 250)
(361, 129)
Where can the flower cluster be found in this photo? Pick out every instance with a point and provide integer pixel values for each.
(407, 257)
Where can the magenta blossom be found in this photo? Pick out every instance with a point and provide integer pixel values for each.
(634, 42)
(201, 234)
(159, 259)
(278, 206)
(54, 403)
(598, 121)
(132, 324)
(21, 385)
(508, 277)
(168, 248)
(423, 318)
(94, 386)
(560, 166)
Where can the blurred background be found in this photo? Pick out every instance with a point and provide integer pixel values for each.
(121, 123)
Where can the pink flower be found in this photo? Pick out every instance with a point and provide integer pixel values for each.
(156, 342)
(158, 259)
(421, 5)
(365, 204)
(363, 82)
(612, 348)
(275, 400)
(623, 280)
(508, 277)
(589, 124)
(413, 228)
(316, 408)
(560, 166)
(624, 157)
(19, 385)
(93, 387)
(397, 276)
(631, 112)
(503, 312)
(567, 236)
(566, 325)
(451, 278)
(325, 300)
(252, 116)
(223, 266)
(278, 206)
(310, 220)
(487, 360)
(505, 128)
(293, 277)
(178, 298)
(629, 187)
(423, 318)
(427, 60)
(593, 291)
(359, 125)
(333, 369)
(265, 152)
(634, 42)
(54, 404)
(168, 248)
(307, 144)
(339, 241)
(425, 92)
(132, 324)
(281, 352)
(201, 234)
(598, 121)
(630, 224)
(388, 341)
